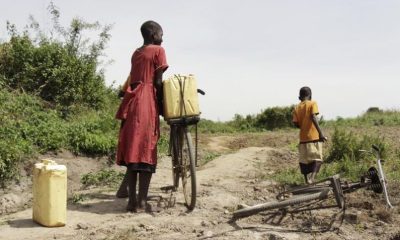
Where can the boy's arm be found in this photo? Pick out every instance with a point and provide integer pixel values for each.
(294, 119)
(315, 122)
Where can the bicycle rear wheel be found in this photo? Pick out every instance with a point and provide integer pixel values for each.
(245, 212)
(188, 170)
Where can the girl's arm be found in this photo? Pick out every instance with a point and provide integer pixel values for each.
(158, 79)
(159, 90)
(125, 87)
(127, 83)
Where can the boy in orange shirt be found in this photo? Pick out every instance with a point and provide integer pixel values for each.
(311, 136)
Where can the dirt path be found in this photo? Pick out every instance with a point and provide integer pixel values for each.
(222, 184)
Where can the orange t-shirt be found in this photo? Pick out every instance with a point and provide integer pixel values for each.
(302, 115)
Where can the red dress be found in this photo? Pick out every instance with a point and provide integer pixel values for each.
(138, 136)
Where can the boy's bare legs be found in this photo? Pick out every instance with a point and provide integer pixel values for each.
(312, 177)
(306, 178)
(132, 179)
(123, 188)
(313, 174)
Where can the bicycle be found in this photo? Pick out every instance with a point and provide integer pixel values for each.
(332, 187)
(184, 155)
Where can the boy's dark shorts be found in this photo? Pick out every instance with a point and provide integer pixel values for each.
(310, 157)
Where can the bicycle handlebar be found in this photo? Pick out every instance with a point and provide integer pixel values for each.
(381, 174)
(201, 92)
(376, 148)
(382, 177)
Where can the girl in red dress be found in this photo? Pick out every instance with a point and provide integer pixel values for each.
(139, 113)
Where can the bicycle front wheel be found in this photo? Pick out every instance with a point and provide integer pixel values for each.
(281, 204)
(188, 173)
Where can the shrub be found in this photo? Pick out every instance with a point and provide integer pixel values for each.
(62, 70)
(241, 123)
(12, 152)
(28, 126)
(275, 117)
(94, 133)
(348, 145)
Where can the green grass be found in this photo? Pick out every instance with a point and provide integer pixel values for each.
(29, 126)
(78, 198)
(104, 177)
(208, 157)
(345, 158)
(289, 176)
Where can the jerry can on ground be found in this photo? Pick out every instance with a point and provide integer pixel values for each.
(180, 96)
(49, 193)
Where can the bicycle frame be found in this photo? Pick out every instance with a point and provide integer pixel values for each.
(330, 187)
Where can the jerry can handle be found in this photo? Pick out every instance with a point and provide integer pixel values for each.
(48, 162)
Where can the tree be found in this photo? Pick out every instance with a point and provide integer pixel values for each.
(275, 117)
(62, 67)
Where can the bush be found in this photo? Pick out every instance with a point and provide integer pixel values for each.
(64, 72)
(348, 145)
(241, 123)
(12, 153)
(94, 133)
(28, 126)
(275, 117)
(372, 117)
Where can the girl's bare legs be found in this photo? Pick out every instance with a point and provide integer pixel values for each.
(144, 183)
(132, 179)
(123, 188)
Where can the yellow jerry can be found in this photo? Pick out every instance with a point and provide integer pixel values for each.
(180, 96)
(49, 193)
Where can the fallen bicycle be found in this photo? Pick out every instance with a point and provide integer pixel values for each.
(333, 187)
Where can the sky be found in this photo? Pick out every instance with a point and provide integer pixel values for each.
(255, 54)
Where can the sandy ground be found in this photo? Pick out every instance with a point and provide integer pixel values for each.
(223, 183)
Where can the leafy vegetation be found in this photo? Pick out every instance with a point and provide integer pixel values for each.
(269, 119)
(275, 118)
(372, 117)
(345, 156)
(105, 177)
(208, 157)
(62, 68)
(52, 93)
(53, 96)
